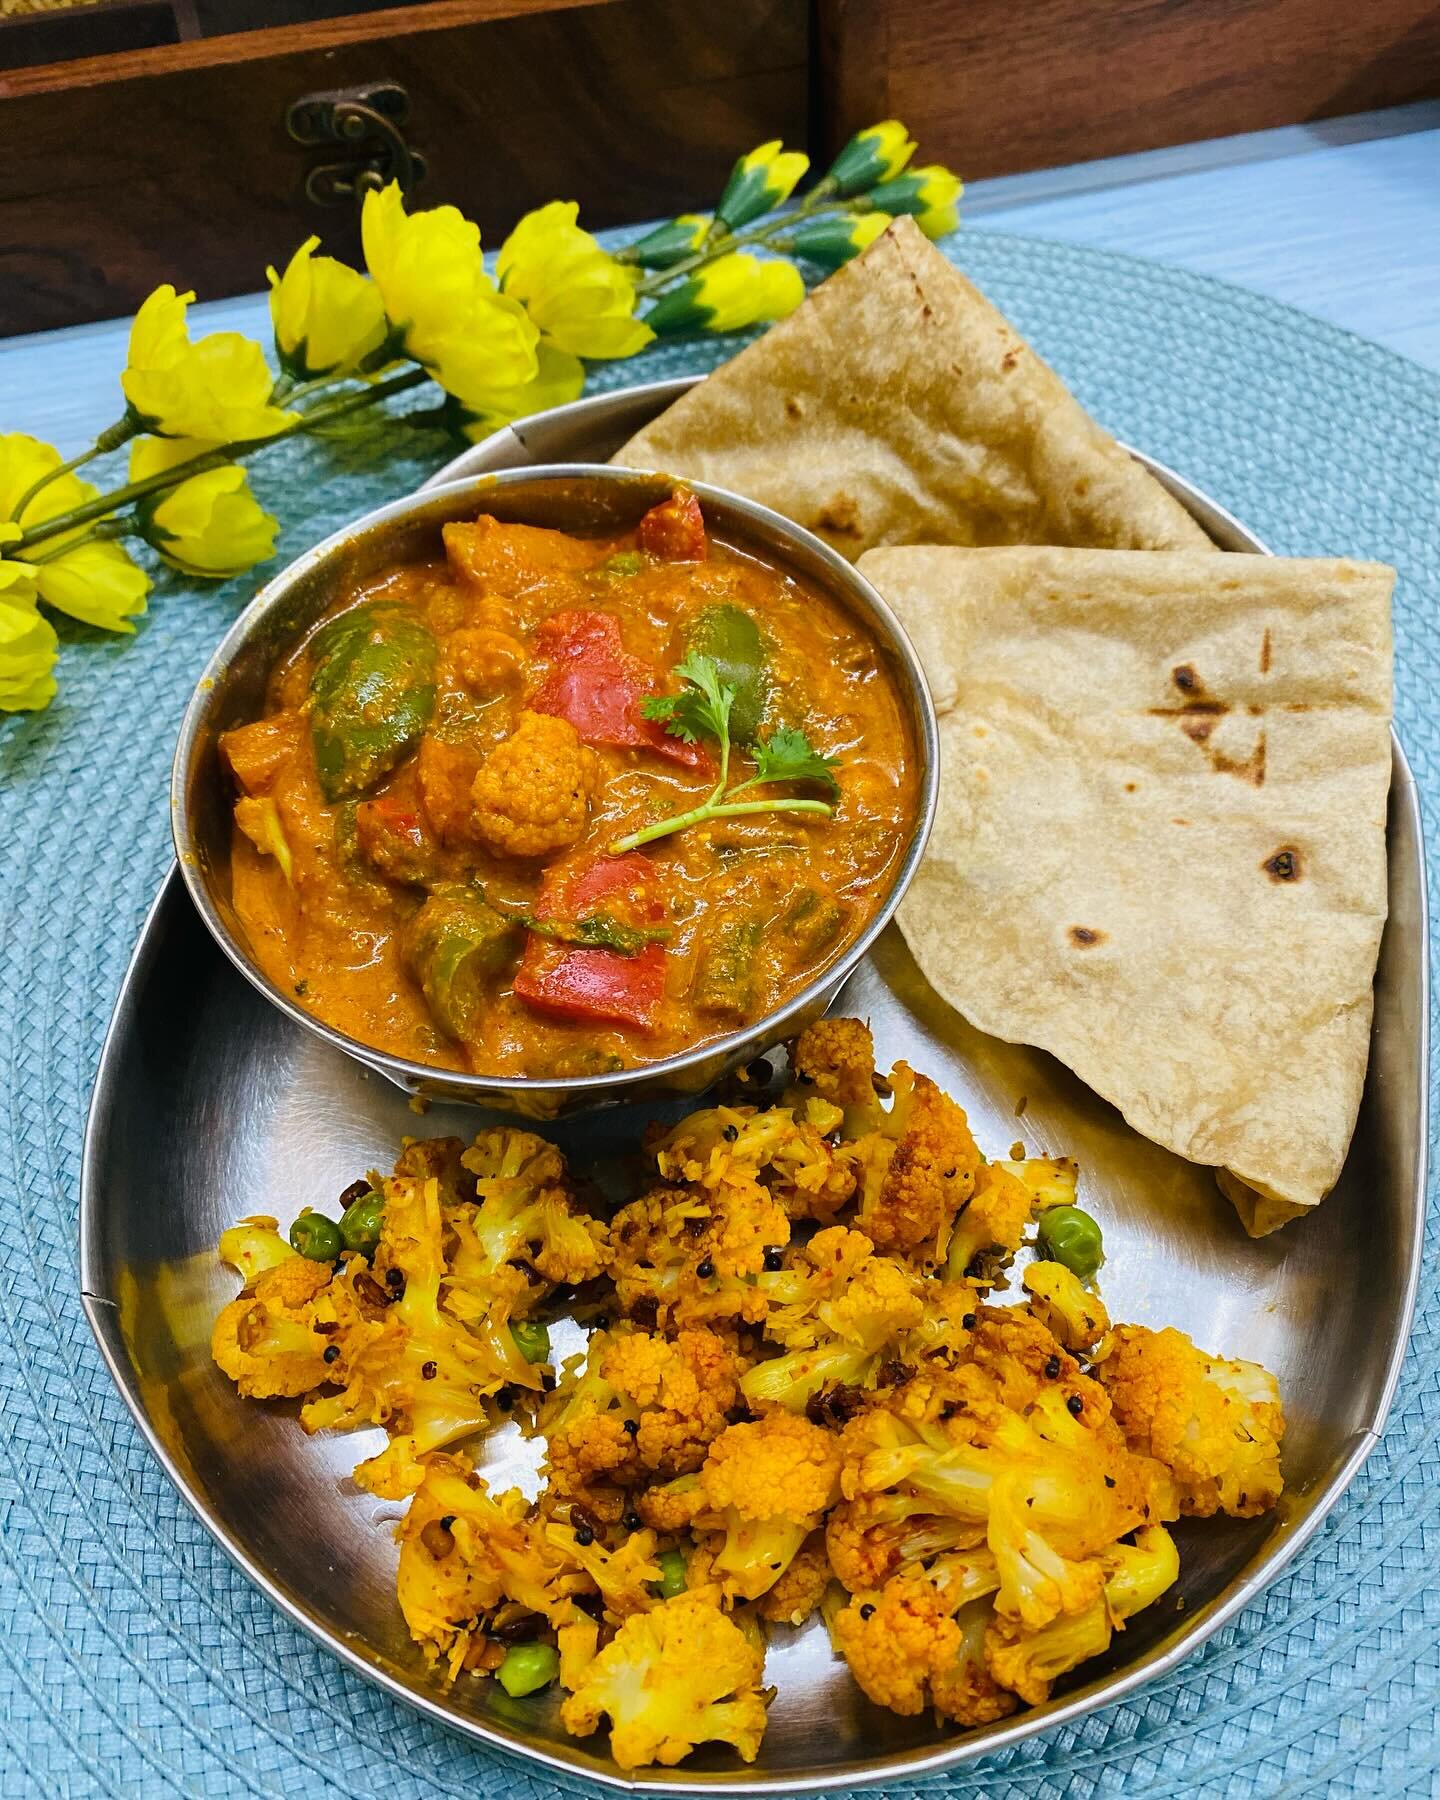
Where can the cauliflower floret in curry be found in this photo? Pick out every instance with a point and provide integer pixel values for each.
(766, 1485)
(533, 793)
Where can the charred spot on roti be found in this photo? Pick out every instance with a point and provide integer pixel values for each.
(1284, 865)
(1265, 652)
(841, 516)
(793, 408)
(1249, 768)
(1009, 359)
(1198, 728)
(1186, 679)
(1084, 937)
(1129, 787)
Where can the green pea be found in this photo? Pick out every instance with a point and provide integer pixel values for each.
(317, 1237)
(672, 1574)
(527, 1668)
(361, 1221)
(1071, 1237)
(532, 1339)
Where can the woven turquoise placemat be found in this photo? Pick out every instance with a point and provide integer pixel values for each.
(135, 1660)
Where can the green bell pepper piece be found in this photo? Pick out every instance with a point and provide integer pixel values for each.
(372, 693)
(731, 639)
(455, 944)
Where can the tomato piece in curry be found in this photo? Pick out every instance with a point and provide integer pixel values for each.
(431, 829)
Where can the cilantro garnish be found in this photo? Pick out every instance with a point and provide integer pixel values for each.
(702, 710)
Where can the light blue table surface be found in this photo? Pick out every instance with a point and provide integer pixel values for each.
(1340, 219)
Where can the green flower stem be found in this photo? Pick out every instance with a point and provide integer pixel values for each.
(104, 504)
(106, 531)
(730, 810)
(818, 200)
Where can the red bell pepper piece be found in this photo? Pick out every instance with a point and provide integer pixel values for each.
(598, 686)
(675, 529)
(598, 985)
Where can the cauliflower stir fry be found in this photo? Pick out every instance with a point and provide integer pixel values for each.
(800, 1400)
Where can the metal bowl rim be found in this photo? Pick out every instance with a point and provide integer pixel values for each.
(462, 1084)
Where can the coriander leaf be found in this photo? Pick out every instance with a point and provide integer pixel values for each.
(788, 755)
(700, 709)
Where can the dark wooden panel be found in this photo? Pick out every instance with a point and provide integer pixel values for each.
(635, 108)
(998, 86)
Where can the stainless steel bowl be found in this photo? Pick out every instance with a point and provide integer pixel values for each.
(568, 497)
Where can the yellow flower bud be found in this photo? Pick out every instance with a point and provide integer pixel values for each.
(762, 179)
(28, 645)
(23, 460)
(441, 304)
(728, 294)
(327, 318)
(218, 388)
(878, 153)
(938, 221)
(582, 300)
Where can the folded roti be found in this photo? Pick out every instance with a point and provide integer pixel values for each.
(897, 406)
(1160, 848)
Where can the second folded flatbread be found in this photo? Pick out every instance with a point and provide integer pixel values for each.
(1160, 848)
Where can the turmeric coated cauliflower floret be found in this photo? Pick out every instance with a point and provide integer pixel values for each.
(533, 793)
(1215, 1425)
(1065, 1306)
(766, 1484)
(680, 1675)
(917, 1170)
(266, 1341)
(680, 1391)
(524, 1214)
(836, 1059)
(1135, 1575)
(789, 1154)
(989, 1229)
(681, 1256)
(798, 1592)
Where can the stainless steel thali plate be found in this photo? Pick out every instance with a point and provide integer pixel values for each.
(209, 1104)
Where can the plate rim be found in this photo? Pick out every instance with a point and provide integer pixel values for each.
(1263, 1568)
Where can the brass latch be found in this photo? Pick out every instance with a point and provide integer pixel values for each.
(367, 121)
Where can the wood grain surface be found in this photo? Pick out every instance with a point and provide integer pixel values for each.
(997, 86)
(633, 108)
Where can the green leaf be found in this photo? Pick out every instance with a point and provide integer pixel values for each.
(788, 755)
(701, 709)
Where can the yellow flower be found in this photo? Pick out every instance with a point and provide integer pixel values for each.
(96, 583)
(28, 644)
(210, 525)
(761, 180)
(834, 239)
(878, 153)
(582, 299)
(327, 318)
(442, 306)
(218, 388)
(559, 378)
(732, 292)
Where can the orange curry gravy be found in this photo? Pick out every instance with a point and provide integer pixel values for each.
(401, 910)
